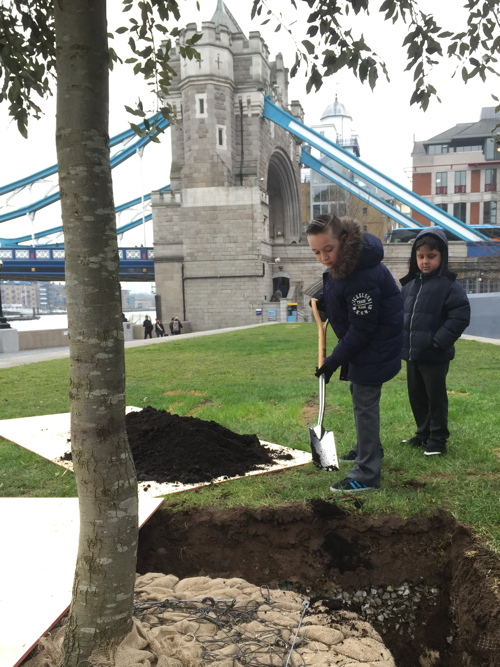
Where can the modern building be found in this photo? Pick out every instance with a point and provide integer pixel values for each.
(142, 301)
(457, 170)
(52, 297)
(20, 294)
(336, 124)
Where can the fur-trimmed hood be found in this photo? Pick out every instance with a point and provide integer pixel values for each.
(360, 250)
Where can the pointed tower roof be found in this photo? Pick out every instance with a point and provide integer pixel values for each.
(336, 109)
(223, 16)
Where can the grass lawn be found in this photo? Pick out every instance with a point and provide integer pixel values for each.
(261, 381)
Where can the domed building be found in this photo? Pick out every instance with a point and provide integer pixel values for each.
(336, 124)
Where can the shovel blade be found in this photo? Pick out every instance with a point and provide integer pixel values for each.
(323, 450)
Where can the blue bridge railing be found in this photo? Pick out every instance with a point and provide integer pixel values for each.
(47, 263)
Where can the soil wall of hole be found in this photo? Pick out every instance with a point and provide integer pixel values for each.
(450, 583)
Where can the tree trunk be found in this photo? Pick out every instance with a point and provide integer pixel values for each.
(101, 609)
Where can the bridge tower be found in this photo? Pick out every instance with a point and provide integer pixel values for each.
(235, 181)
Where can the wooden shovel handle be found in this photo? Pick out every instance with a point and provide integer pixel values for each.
(321, 333)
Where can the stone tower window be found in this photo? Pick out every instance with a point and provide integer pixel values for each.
(221, 136)
(201, 105)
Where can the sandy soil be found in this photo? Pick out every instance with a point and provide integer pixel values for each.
(437, 597)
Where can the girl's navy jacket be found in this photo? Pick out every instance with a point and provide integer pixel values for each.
(364, 307)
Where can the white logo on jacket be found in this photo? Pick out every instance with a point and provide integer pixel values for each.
(362, 303)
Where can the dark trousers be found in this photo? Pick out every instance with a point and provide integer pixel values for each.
(366, 405)
(429, 400)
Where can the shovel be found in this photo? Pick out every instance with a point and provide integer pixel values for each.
(324, 453)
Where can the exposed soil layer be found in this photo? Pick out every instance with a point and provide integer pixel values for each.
(170, 448)
(436, 588)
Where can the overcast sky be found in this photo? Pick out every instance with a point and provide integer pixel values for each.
(383, 119)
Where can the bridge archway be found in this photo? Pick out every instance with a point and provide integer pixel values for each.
(284, 202)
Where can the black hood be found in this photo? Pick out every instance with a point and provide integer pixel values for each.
(443, 269)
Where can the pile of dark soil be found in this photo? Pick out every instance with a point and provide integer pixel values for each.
(170, 448)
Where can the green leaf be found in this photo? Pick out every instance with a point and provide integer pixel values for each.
(372, 77)
(309, 46)
(23, 130)
(464, 47)
(140, 133)
(363, 71)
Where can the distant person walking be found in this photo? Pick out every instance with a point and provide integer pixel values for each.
(159, 329)
(148, 327)
(175, 326)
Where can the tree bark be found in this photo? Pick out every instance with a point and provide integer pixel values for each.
(102, 602)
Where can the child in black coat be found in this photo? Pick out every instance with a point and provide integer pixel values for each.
(436, 313)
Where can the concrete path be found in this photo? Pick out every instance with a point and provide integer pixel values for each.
(494, 341)
(9, 359)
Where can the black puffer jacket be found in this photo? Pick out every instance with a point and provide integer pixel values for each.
(363, 305)
(436, 309)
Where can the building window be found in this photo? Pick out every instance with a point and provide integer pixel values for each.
(201, 105)
(221, 136)
(338, 208)
(468, 149)
(325, 193)
(490, 180)
(460, 181)
(489, 149)
(460, 211)
(437, 149)
(443, 207)
(441, 182)
(490, 213)
(319, 209)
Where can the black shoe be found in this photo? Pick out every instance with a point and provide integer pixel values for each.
(414, 442)
(351, 486)
(350, 456)
(435, 449)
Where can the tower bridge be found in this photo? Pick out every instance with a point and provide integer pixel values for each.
(42, 263)
(228, 228)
